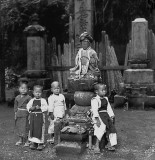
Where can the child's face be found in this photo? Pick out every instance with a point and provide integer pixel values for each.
(56, 89)
(37, 92)
(85, 44)
(101, 91)
(23, 89)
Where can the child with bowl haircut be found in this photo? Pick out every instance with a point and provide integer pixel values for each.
(37, 108)
(21, 114)
(102, 116)
(57, 108)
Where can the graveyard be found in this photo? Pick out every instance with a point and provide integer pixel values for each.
(85, 58)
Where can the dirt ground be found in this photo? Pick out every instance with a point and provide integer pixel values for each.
(136, 139)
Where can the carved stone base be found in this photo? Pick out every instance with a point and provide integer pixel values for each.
(81, 85)
(138, 76)
(70, 148)
(35, 74)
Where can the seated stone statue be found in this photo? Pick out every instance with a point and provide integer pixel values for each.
(86, 61)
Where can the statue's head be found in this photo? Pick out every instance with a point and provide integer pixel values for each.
(85, 40)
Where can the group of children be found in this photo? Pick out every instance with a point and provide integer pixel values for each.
(30, 115)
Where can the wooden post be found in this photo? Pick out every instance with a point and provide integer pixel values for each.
(70, 29)
(104, 56)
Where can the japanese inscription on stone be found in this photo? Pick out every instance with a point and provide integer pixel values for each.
(83, 19)
(35, 51)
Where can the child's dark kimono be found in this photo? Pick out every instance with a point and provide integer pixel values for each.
(21, 115)
(101, 109)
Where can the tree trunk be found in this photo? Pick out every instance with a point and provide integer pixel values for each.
(2, 81)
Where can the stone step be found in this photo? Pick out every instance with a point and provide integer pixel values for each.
(67, 148)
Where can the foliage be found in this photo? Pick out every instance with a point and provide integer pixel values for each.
(11, 78)
(115, 17)
(15, 16)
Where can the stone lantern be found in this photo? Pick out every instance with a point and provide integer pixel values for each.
(36, 73)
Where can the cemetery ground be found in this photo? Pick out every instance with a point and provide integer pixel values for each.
(136, 139)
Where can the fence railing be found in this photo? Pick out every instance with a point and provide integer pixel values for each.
(59, 59)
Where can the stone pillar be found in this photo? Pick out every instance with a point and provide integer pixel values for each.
(139, 39)
(83, 10)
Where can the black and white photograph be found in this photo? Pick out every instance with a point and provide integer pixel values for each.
(77, 79)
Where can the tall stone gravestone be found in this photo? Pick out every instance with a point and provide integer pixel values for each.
(83, 10)
(138, 81)
(36, 72)
(138, 56)
(139, 39)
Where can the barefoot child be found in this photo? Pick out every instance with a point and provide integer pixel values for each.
(37, 108)
(21, 114)
(103, 118)
(57, 108)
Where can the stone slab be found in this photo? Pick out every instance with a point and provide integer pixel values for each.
(74, 137)
(73, 148)
(83, 19)
(139, 39)
(138, 76)
(119, 101)
(35, 53)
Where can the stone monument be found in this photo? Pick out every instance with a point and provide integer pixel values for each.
(83, 19)
(139, 83)
(81, 80)
(36, 73)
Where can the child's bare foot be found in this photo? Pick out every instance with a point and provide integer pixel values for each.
(111, 148)
(19, 142)
(33, 146)
(107, 146)
(51, 140)
(97, 150)
(27, 144)
(40, 147)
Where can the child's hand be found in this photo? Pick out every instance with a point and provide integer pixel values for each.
(98, 123)
(52, 116)
(32, 108)
(37, 107)
(15, 115)
(67, 116)
(112, 119)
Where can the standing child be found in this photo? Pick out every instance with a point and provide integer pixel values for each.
(21, 114)
(102, 115)
(57, 108)
(37, 108)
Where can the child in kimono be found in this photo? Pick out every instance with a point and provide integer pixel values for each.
(102, 116)
(37, 108)
(57, 108)
(21, 114)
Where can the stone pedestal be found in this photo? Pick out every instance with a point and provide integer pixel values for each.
(138, 76)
